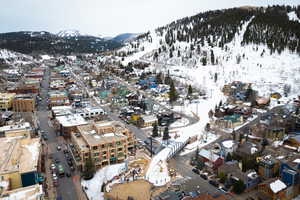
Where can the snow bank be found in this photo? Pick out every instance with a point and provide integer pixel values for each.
(101, 177)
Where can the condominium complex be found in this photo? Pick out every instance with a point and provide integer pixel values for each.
(107, 142)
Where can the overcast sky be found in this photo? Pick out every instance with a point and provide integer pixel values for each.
(108, 17)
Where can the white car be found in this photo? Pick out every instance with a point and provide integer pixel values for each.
(53, 166)
(54, 176)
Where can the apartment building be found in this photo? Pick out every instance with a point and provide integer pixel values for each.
(108, 142)
(23, 103)
(6, 100)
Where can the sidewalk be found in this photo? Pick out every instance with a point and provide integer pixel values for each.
(51, 190)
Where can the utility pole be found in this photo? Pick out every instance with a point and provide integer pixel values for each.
(150, 146)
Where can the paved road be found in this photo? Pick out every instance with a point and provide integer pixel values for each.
(66, 188)
(194, 182)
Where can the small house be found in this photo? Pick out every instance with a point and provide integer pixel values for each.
(211, 159)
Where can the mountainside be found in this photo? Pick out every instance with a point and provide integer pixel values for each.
(65, 42)
(7, 57)
(125, 37)
(208, 50)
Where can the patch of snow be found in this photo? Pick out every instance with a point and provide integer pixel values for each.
(293, 16)
(104, 175)
(277, 186)
(228, 144)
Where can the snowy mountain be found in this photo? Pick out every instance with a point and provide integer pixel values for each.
(65, 42)
(75, 33)
(125, 37)
(69, 33)
(259, 46)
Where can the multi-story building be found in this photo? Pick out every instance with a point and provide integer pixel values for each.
(107, 142)
(6, 100)
(24, 103)
(58, 98)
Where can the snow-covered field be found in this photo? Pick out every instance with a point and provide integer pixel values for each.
(101, 177)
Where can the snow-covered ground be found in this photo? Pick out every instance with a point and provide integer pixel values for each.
(101, 177)
(293, 16)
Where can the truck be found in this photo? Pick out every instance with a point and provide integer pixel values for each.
(61, 170)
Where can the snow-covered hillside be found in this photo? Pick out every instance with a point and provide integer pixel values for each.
(254, 63)
(7, 56)
(74, 33)
(293, 16)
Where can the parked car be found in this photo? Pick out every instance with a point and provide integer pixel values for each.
(55, 183)
(58, 148)
(214, 183)
(196, 171)
(52, 167)
(54, 176)
(203, 176)
(68, 174)
(57, 160)
(70, 163)
(66, 151)
(223, 190)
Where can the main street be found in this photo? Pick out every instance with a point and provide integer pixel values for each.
(67, 186)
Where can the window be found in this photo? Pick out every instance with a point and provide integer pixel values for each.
(104, 153)
(112, 150)
(103, 146)
(95, 147)
(110, 144)
(120, 149)
(104, 158)
(96, 154)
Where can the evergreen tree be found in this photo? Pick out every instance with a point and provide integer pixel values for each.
(207, 127)
(171, 54)
(155, 130)
(204, 61)
(239, 187)
(166, 135)
(178, 53)
(228, 157)
(89, 168)
(212, 57)
(155, 56)
(172, 93)
(190, 90)
(159, 78)
(216, 77)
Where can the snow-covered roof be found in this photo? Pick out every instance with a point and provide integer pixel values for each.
(149, 118)
(228, 144)
(19, 126)
(208, 155)
(277, 186)
(24, 193)
(71, 120)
